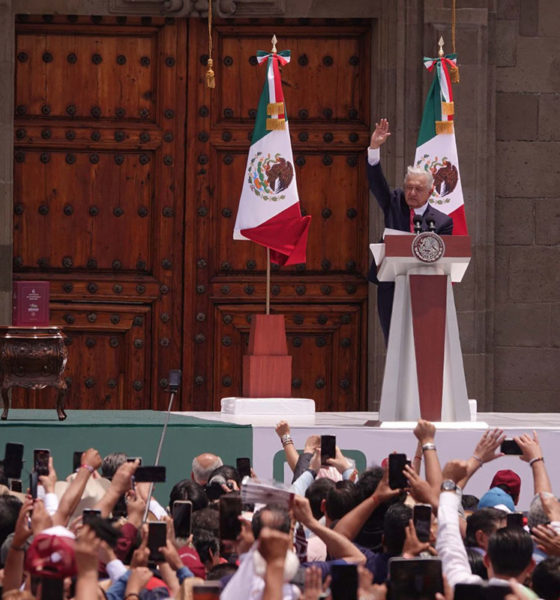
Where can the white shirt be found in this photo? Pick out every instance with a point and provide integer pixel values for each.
(449, 544)
(450, 547)
(247, 585)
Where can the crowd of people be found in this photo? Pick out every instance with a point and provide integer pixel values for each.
(333, 533)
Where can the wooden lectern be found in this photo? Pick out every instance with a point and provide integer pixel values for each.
(424, 374)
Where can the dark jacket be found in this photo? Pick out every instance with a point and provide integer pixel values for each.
(397, 212)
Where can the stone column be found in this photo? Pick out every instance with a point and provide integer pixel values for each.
(6, 157)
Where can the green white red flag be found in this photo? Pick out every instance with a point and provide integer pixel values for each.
(436, 148)
(269, 210)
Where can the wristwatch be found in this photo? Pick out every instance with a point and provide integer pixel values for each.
(448, 485)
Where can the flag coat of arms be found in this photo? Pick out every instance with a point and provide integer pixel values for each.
(436, 149)
(269, 210)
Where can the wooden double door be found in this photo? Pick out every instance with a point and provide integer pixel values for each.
(127, 176)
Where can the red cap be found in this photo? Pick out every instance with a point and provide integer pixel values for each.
(509, 479)
(51, 556)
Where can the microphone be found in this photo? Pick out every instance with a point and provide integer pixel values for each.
(417, 220)
(431, 225)
(174, 380)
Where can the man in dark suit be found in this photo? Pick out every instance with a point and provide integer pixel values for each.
(399, 208)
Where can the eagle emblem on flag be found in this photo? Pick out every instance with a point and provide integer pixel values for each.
(269, 176)
(445, 174)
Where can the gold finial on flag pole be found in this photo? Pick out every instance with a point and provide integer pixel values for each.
(440, 44)
(274, 42)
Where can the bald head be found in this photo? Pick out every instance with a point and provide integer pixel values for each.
(203, 465)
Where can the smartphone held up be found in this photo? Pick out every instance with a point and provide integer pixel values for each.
(41, 461)
(397, 463)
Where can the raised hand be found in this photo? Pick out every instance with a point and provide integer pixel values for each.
(169, 551)
(420, 489)
(273, 545)
(135, 507)
(313, 586)
(311, 443)
(92, 458)
(141, 555)
(282, 428)
(22, 529)
(425, 432)
(49, 481)
(546, 539)
(380, 134)
(122, 479)
(455, 470)
(490, 441)
(302, 510)
(340, 462)
(40, 518)
(86, 550)
(315, 462)
(383, 492)
(139, 577)
(551, 506)
(529, 445)
(412, 545)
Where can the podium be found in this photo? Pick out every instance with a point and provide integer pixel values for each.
(424, 374)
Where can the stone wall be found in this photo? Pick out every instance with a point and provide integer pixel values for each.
(527, 216)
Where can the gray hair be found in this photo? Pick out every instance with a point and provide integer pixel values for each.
(201, 472)
(111, 463)
(419, 171)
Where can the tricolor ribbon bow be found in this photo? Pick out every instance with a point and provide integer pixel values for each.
(275, 108)
(447, 73)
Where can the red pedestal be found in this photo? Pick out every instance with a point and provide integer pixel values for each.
(267, 368)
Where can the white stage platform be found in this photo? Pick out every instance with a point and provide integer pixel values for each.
(370, 444)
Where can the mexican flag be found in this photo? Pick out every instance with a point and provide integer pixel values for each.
(269, 211)
(436, 149)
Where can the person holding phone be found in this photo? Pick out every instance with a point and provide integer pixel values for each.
(90, 463)
(13, 568)
(46, 483)
(171, 570)
(510, 550)
(533, 455)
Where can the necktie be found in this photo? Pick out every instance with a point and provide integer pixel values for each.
(412, 220)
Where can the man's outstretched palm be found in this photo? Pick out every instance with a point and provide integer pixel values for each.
(380, 134)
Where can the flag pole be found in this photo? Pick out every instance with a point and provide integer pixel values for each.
(268, 281)
(274, 51)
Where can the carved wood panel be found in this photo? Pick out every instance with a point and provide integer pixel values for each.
(111, 210)
(99, 195)
(327, 90)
